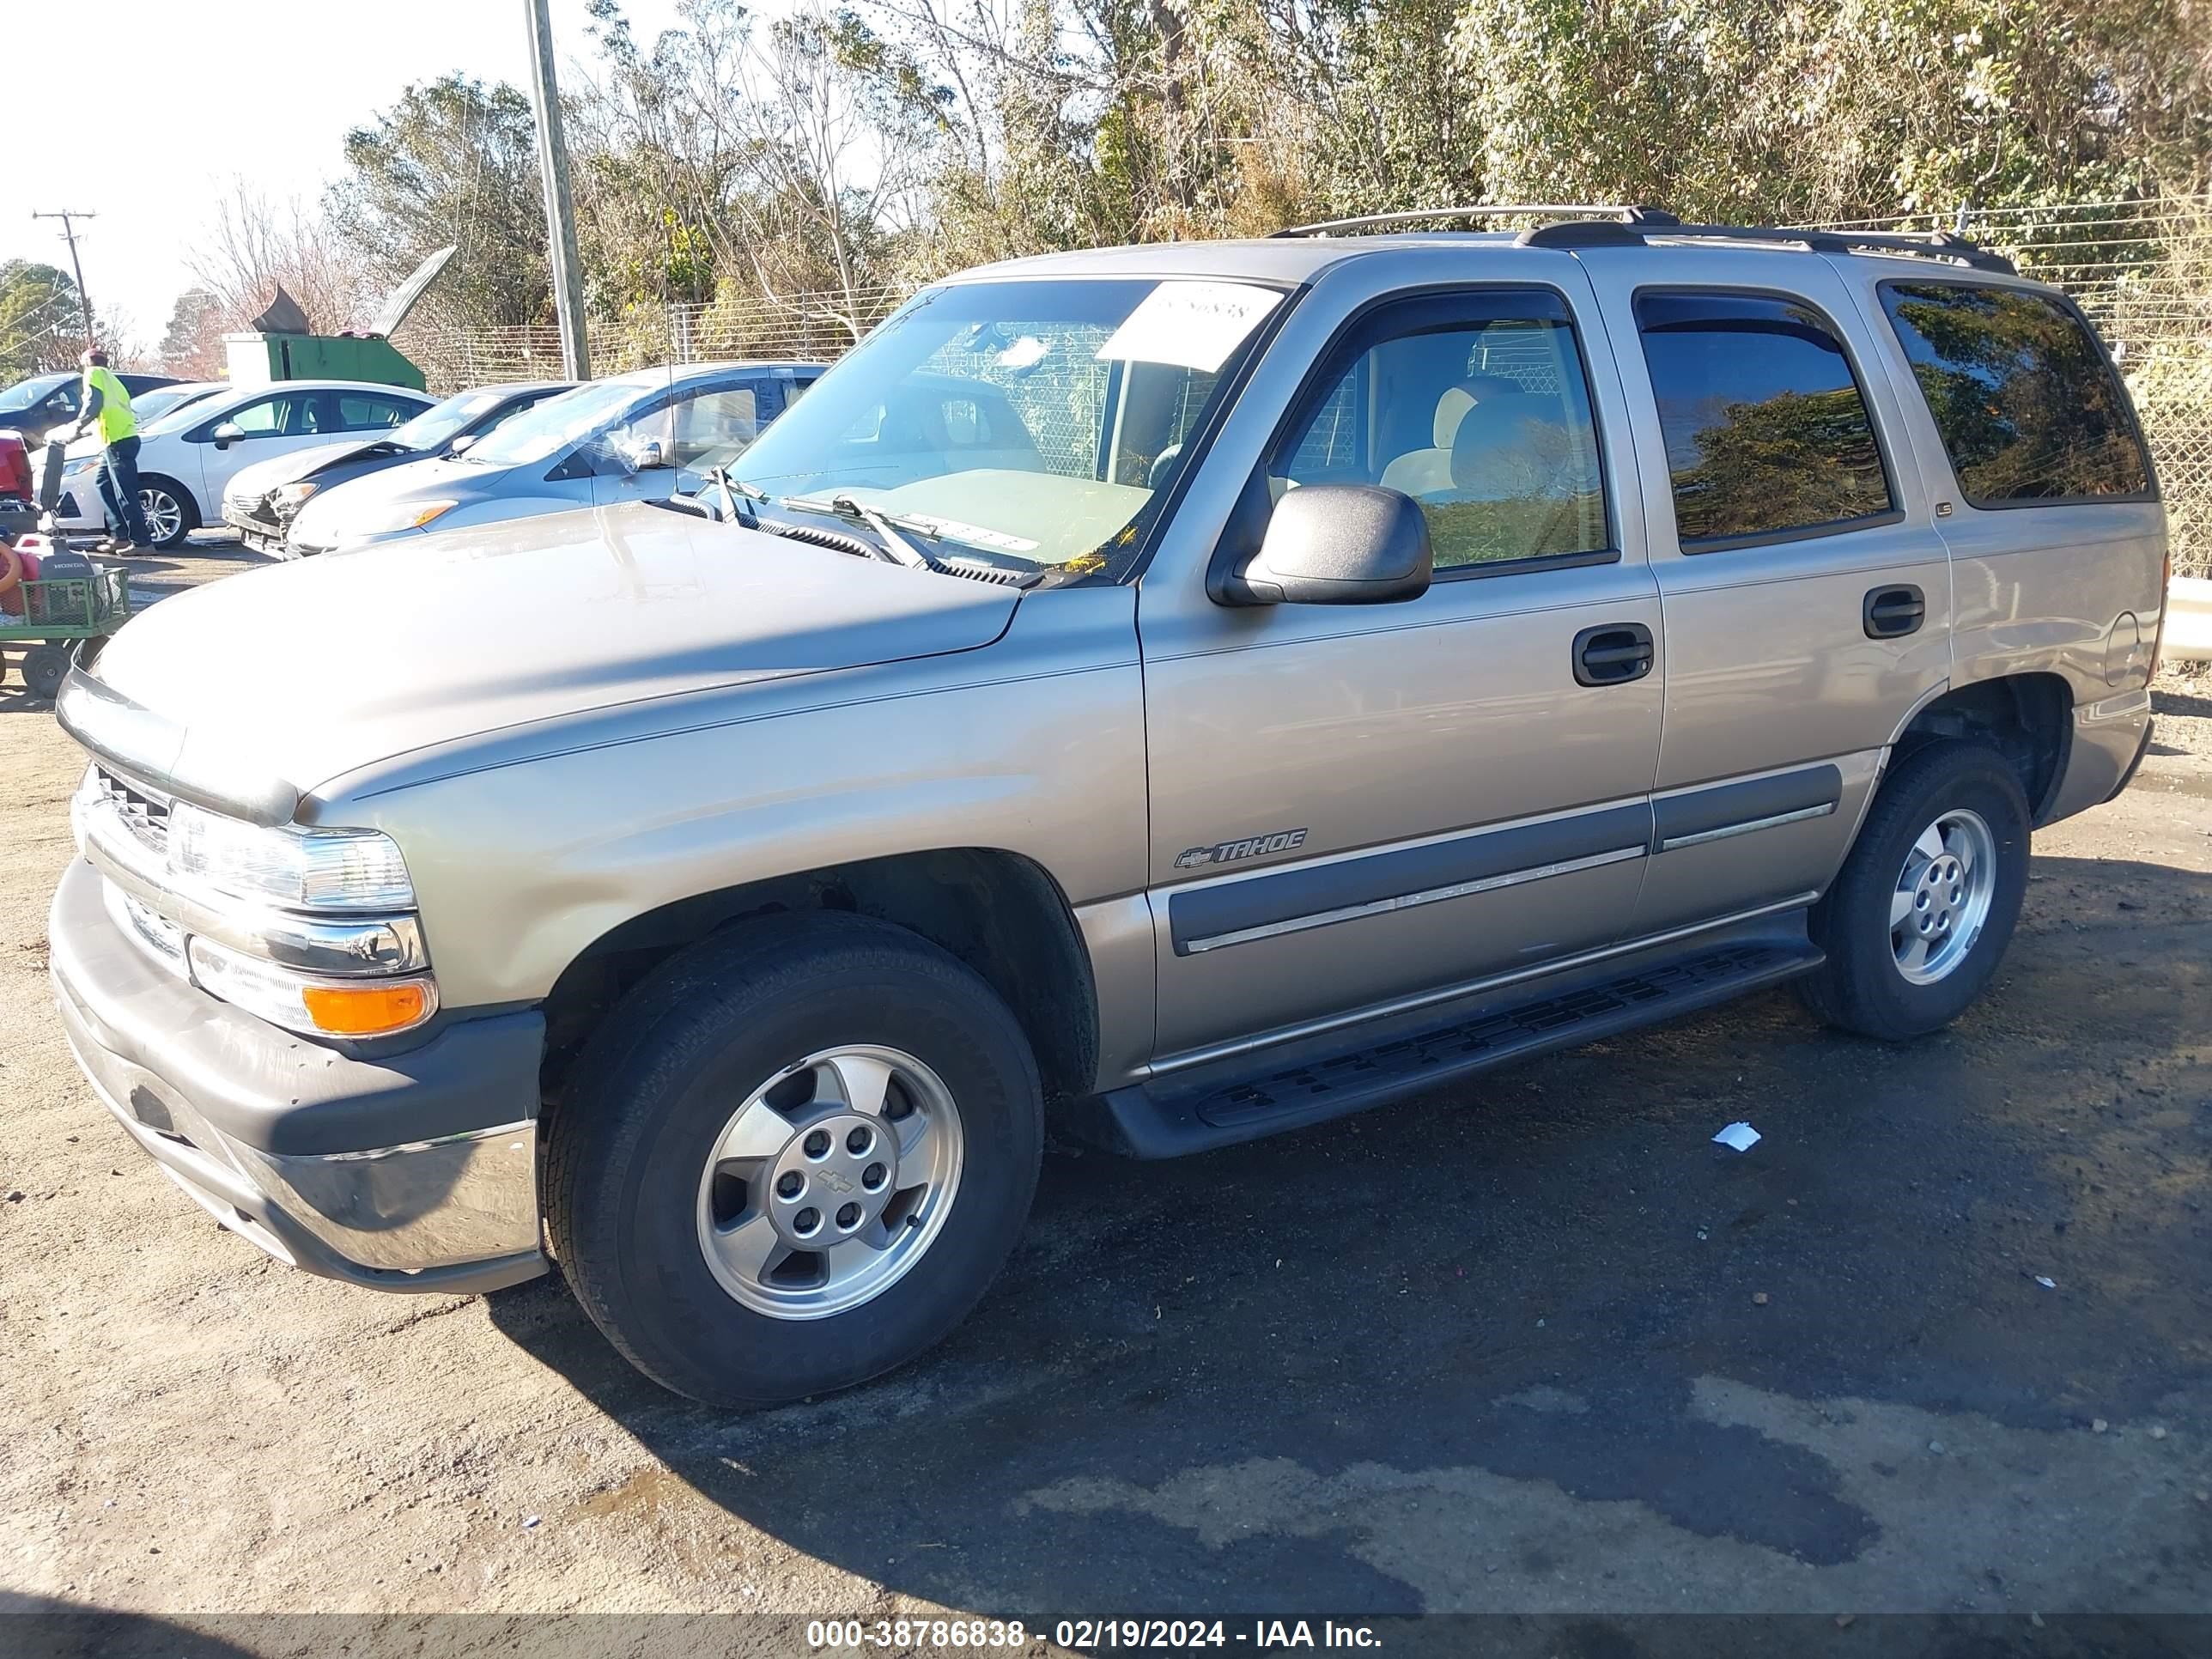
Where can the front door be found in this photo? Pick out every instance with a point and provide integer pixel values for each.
(1807, 592)
(1354, 806)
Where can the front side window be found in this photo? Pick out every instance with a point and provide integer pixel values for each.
(715, 421)
(1767, 432)
(2025, 402)
(1477, 406)
(1035, 424)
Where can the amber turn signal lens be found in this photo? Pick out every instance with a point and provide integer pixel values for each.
(365, 1010)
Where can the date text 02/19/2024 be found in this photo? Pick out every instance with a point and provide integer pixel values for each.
(1086, 1635)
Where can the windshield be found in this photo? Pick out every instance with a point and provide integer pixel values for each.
(17, 399)
(435, 425)
(150, 406)
(1029, 421)
(542, 432)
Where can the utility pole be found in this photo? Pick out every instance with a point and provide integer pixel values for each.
(560, 223)
(69, 228)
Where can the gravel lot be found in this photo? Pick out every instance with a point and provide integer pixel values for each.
(1535, 1345)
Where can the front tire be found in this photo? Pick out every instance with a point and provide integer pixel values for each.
(171, 512)
(793, 1157)
(1917, 921)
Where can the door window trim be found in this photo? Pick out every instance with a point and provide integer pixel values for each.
(2066, 303)
(1319, 383)
(1691, 547)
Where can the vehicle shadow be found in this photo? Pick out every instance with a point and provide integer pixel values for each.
(1520, 1292)
(44, 1627)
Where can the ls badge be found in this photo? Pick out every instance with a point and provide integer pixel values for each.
(1225, 852)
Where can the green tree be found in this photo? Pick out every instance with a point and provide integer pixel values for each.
(454, 162)
(41, 319)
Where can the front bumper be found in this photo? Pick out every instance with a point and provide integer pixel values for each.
(415, 1172)
(257, 529)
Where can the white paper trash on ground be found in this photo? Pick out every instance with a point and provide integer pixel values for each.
(1741, 1136)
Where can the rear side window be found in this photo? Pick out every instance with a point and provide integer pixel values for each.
(1766, 429)
(2027, 403)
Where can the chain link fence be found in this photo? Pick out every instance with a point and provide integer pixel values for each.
(2142, 270)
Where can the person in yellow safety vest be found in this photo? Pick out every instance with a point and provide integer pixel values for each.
(105, 403)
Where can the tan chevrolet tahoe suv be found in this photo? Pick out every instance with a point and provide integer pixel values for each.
(1175, 693)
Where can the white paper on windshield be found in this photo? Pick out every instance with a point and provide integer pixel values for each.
(974, 534)
(1190, 325)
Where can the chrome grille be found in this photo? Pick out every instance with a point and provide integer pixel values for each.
(144, 814)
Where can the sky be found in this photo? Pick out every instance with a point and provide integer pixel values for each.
(167, 101)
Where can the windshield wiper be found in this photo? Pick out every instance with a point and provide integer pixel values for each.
(896, 548)
(731, 488)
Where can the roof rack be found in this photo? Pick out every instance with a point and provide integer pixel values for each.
(1622, 212)
(1936, 244)
(1620, 225)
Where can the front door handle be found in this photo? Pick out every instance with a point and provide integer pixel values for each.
(1891, 613)
(1613, 654)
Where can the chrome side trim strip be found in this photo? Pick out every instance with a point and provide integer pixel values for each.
(1409, 901)
(1744, 828)
(1467, 987)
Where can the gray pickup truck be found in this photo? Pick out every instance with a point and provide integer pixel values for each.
(1174, 693)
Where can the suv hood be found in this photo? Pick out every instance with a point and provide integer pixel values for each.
(306, 670)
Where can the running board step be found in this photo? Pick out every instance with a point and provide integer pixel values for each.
(1226, 1103)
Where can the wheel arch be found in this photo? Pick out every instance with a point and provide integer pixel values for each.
(2028, 718)
(1000, 913)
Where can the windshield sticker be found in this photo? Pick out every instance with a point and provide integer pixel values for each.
(1190, 325)
(974, 534)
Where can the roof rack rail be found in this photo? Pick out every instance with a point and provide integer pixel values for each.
(1621, 212)
(1936, 244)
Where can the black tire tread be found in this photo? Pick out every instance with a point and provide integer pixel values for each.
(660, 1030)
(1846, 990)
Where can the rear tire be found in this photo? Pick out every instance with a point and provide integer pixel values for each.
(1917, 922)
(649, 1174)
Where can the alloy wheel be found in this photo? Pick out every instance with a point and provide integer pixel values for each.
(829, 1182)
(1941, 899)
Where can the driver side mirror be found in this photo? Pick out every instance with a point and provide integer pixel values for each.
(642, 455)
(462, 445)
(1337, 545)
(226, 433)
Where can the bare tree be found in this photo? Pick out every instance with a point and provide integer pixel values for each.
(254, 245)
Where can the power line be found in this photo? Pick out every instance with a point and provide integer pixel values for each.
(69, 218)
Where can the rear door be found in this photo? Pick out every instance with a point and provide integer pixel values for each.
(1806, 592)
(1354, 806)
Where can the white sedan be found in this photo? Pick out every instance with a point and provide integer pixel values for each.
(186, 456)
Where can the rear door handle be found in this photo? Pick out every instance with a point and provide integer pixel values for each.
(1613, 654)
(1891, 613)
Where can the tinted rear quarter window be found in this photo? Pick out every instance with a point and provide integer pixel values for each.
(1766, 430)
(2025, 399)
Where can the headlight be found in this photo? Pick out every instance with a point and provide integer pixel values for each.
(300, 869)
(405, 515)
(292, 495)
